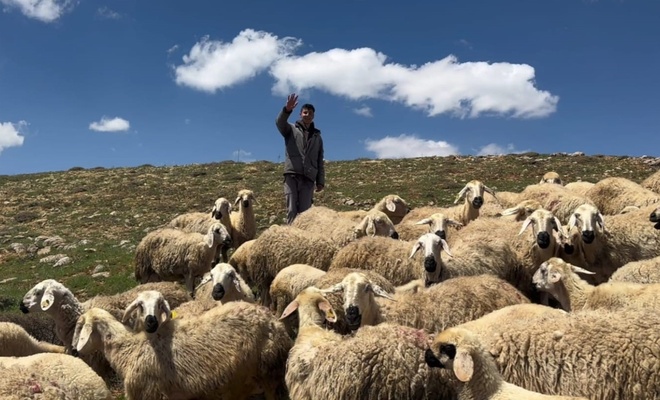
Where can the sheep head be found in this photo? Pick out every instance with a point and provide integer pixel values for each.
(455, 349)
(43, 296)
(221, 208)
(313, 308)
(245, 199)
(148, 311)
(89, 331)
(394, 206)
(438, 223)
(473, 193)
(655, 217)
(587, 218)
(218, 235)
(431, 244)
(375, 223)
(223, 276)
(551, 177)
(543, 224)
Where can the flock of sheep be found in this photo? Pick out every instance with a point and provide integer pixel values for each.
(546, 293)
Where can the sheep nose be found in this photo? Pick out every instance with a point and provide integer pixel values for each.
(543, 239)
(75, 353)
(654, 217)
(431, 360)
(23, 308)
(227, 241)
(395, 235)
(353, 317)
(151, 324)
(588, 236)
(430, 264)
(569, 249)
(246, 203)
(441, 234)
(478, 202)
(218, 292)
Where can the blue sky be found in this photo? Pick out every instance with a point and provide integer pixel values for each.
(124, 83)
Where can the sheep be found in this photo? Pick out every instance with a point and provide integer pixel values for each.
(395, 260)
(239, 257)
(56, 300)
(289, 282)
(505, 199)
(436, 223)
(655, 217)
(50, 376)
(555, 198)
(328, 222)
(551, 177)
(392, 205)
(604, 245)
(611, 195)
(477, 377)
(280, 246)
(643, 271)
(224, 284)
(652, 182)
(243, 222)
(201, 222)
(579, 187)
(560, 279)
(378, 362)
(39, 326)
(229, 352)
(599, 354)
(16, 342)
(435, 308)
(169, 254)
(522, 210)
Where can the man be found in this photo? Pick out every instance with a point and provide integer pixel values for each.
(303, 167)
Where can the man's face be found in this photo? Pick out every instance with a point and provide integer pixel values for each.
(307, 115)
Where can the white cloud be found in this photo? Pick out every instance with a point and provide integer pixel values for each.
(409, 146)
(43, 10)
(364, 111)
(172, 49)
(467, 89)
(10, 134)
(110, 125)
(496, 149)
(242, 156)
(215, 65)
(105, 12)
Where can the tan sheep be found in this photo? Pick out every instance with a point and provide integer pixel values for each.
(579, 187)
(551, 177)
(652, 182)
(435, 223)
(229, 352)
(392, 205)
(243, 222)
(50, 376)
(171, 255)
(239, 257)
(39, 326)
(223, 283)
(477, 377)
(655, 218)
(522, 210)
(16, 342)
(611, 195)
(556, 199)
(643, 271)
(378, 362)
(560, 279)
(289, 282)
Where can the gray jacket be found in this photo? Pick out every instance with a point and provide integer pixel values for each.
(301, 159)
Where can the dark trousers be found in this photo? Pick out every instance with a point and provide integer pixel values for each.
(299, 192)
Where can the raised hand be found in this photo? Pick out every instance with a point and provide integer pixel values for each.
(291, 102)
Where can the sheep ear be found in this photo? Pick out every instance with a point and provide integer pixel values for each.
(165, 311)
(84, 334)
(572, 221)
(463, 365)
(237, 283)
(371, 227)
(379, 291)
(210, 239)
(601, 221)
(47, 299)
(580, 270)
(359, 229)
(528, 222)
(461, 194)
(492, 192)
(333, 289)
(415, 249)
(425, 221)
(445, 247)
(129, 311)
(330, 315)
(238, 199)
(511, 211)
(293, 306)
(558, 223)
(390, 206)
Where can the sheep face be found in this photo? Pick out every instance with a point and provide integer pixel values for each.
(431, 244)
(313, 308)
(549, 275)
(473, 193)
(43, 296)
(245, 198)
(149, 310)
(218, 235)
(438, 223)
(587, 218)
(89, 328)
(655, 217)
(395, 207)
(221, 208)
(376, 223)
(223, 276)
(543, 224)
(453, 349)
(551, 177)
(358, 296)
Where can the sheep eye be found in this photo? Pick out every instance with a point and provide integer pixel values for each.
(449, 350)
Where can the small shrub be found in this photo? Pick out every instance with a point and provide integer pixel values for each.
(76, 169)
(25, 216)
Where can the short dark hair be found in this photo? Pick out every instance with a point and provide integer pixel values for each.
(308, 106)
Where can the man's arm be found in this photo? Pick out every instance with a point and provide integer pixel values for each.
(282, 122)
(320, 175)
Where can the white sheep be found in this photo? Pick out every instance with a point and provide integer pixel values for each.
(50, 376)
(16, 342)
(201, 222)
(435, 223)
(611, 195)
(551, 177)
(170, 254)
(560, 279)
(599, 354)
(224, 284)
(477, 377)
(378, 362)
(243, 222)
(395, 260)
(392, 205)
(229, 352)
